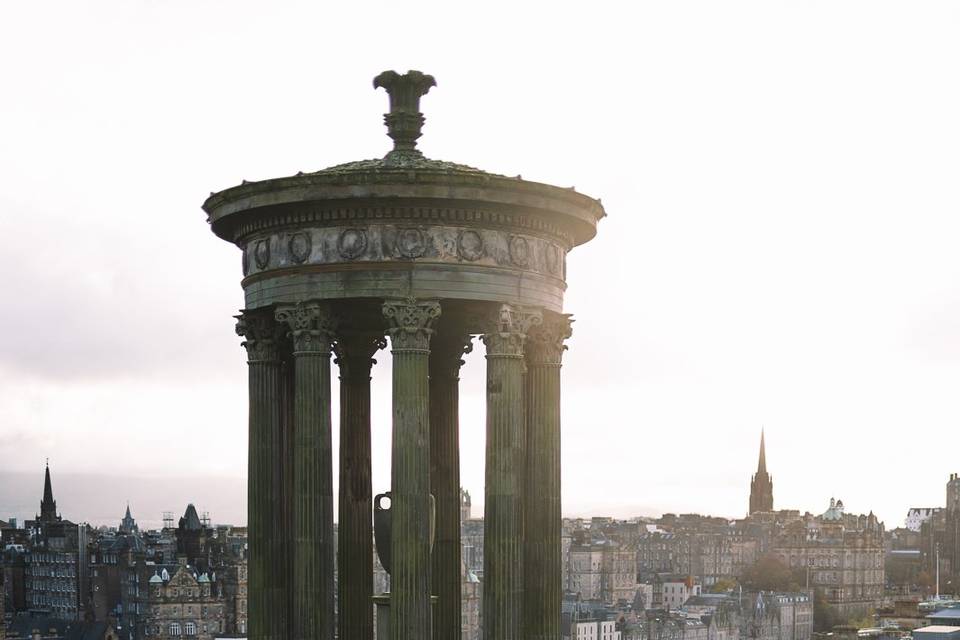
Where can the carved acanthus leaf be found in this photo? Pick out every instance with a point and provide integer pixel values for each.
(311, 325)
(545, 343)
(261, 335)
(411, 322)
(509, 326)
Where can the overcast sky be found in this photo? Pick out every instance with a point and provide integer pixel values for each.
(780, 248)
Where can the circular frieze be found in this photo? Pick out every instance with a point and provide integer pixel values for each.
(470, 245)
(261, 253)
(410, 243)
(553, 259)
(352, 243)
(519, 251)
(300, 245)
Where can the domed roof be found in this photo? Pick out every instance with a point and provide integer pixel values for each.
(156, 579)
(406, 174)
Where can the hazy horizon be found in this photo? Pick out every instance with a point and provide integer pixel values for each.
(780, 246)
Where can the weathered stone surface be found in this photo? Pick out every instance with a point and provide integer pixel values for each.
(384, 242)
(355, 552)
(543, 586)
(411, 327)
(446, 350)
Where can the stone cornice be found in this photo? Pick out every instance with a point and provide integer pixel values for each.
(576, 214)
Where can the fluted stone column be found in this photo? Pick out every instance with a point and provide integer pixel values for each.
(446, 349)
(505, 478)
(355, 548)
(266, 611)
(543, 569)
(311, 328)
(411, 323)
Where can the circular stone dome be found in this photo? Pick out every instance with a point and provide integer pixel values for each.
(403, 226)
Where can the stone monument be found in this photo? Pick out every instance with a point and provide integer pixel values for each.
(428, 254)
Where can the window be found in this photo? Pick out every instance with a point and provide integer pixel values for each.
(190, 629)
(175, 628)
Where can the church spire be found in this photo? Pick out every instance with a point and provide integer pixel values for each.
(762, 465)
(48, 506)
(761, 485)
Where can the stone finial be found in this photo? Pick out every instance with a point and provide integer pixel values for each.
(404, 120)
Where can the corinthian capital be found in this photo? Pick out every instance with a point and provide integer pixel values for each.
(355, 353)
(545, 341)
(261, 335)
(508, 329)
(311, 326)
(446, 350)
(411, 322)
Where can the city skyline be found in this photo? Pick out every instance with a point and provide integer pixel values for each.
(778, 250)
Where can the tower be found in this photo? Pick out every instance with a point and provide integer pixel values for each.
(48, 506)
(761, 485)
(953, 493)
(128, 524)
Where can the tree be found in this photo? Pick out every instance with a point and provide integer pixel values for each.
(769, 573)
(825, 617)
(723, 585)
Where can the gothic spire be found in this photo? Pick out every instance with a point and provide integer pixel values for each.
(48, 506)
(762, 464)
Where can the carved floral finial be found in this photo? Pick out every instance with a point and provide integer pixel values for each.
(404, 120)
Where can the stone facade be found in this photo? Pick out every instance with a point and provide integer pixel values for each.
(55, 572)
(181, 602)
(604, 572)
(842, 554)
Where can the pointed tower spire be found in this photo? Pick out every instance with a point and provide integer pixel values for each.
(762, 465)
(48, 506)
(761, 485)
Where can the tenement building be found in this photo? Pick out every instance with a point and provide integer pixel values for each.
(55, 572)
(428, 254)
(940, 539)
(602, 571)
(842, 555)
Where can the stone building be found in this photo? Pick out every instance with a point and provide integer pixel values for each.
(470, 599)
(842, 555)
(602, 571)
(180, 601)
(940, 540)
(55, 572)
(111, 558)
(205, 584)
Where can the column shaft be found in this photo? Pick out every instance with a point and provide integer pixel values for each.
(355, 548)
(266, 613)
(543, 587)
(410, 331)
(505, 479)
(312, 596)
(445, 352)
